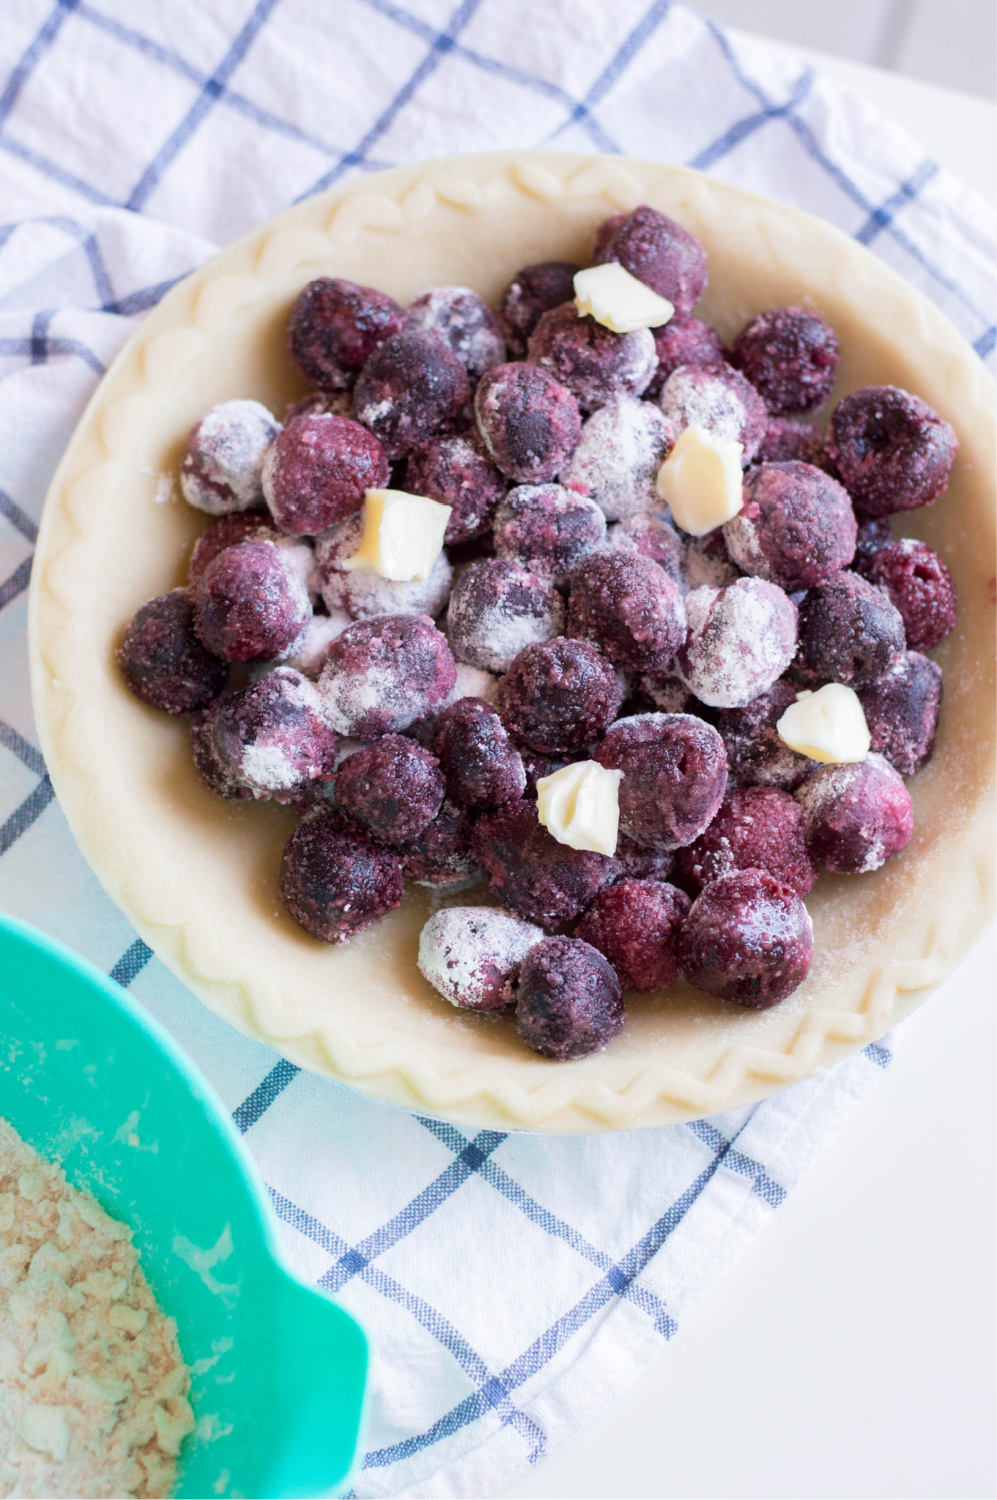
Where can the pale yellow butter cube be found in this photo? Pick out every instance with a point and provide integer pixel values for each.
(580, 806)
(402, 536)
(618, 301)
(828, 725)
(701, 480)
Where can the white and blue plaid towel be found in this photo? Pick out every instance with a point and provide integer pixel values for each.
(513, 1285)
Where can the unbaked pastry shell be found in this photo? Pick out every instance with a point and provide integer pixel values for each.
(197, 877)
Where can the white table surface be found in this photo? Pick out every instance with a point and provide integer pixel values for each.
(850, 1352)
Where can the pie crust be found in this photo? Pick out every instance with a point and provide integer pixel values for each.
(198, 877)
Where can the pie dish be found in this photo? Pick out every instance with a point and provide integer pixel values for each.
(198, 877)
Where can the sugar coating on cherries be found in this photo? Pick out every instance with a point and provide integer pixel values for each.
(628, 607)
(335, 884)
(473, 954)
(786, 440)
(464, 322)
(361, 595)
(533, 291)
(383, 674)
(855, 816)
(849, 630)
(616, 461)
(250, 603)
(215, 776)
(595, 363)
(718, 398)
(748, 938)
(317, 471)
(163, 659)
(756, 828)
(674, 775)
(335, 326)
(740, 641)
(791, 358)
(568, 1001)
(529, 421)
(496, 609)
(635, 924)
(273, 736)
(392, 788)
(547, 529)
(559, 695)
(412, 388)
(756, 753)
(684, 341)
(440, 855)
(920, 585)
(901, 711)
(220, 471)
(892, 451)
(707, 563)
(457, 472)
(796, 527)
(657, 251)
(653, 537)
(479, 762)
(529, 872)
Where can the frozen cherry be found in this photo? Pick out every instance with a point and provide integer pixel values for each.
(790, 357)
(849, 630)
(598, 365)
(547, 529)
(756, 828)
(718, 398)
(684, 341)
(335, 326)
(163, 660)
(383, 674)
(873, 535)
(796, 527)
(457, 472)
(635, 861)
(364, 594)
(657, 251)
(464, 322)
(496, 609)
(251, 604)
(628, 607)
(653, 537)
(741, 639)
(440, 855)
(216, 777)
(619, 453)
(480, 764)
(229, 531)
(756, 754)
(916, 580)
(568, 1003)
(901, 711)
(529, 421)
(559, 695)
(392, 788)
(786, 440)
(335, 884)
(674, 775)
(891, 450)
(473, 954)
(273, 736)
(320, 404)
(707, 564)
(666, 694)
(533, 291)
(855, 816)
(223, 457)
(413, 388)
(748, 938)
(529, 871)
(636, 925)
(318, 470)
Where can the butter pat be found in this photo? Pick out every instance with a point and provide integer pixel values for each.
(402, 536)
(701, 480)
(617, 300)
(580, 806)
(828, 725)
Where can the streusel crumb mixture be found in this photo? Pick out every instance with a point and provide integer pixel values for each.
(93, 1388)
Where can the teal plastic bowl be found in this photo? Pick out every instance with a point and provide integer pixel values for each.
(91, 1081)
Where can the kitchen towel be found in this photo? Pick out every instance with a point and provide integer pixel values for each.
(512, 1285)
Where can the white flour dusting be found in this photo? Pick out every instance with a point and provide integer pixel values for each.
(618, 456)
(93, 1387)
